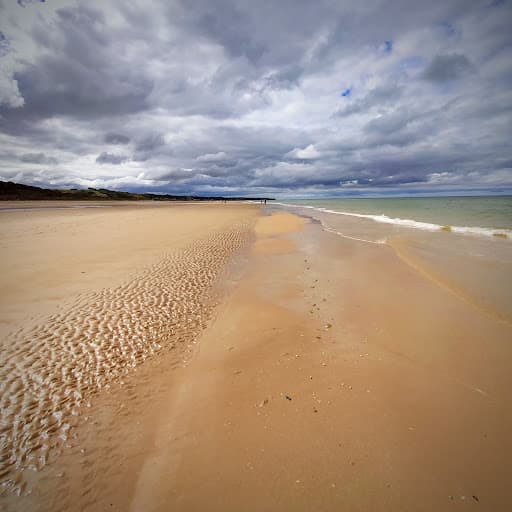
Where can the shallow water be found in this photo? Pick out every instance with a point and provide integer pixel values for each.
(474, 265)
(482, 216)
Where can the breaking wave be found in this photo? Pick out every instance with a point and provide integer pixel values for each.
(414, 224)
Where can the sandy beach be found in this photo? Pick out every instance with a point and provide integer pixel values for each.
(225, 357)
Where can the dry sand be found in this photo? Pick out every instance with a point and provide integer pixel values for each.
(89, 296)
(332, 376)
(53, 254)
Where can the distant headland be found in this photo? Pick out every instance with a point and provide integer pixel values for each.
(10, 191)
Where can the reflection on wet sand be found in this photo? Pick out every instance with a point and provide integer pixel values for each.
(50, 372)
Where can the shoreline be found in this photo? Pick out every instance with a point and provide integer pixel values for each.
(331, 376)
(317, 395)
(399, 220)
(471, 267)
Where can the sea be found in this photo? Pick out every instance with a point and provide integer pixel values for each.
(477, 215)
(463, 244)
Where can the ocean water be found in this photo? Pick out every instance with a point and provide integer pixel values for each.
(463, 244)
(484, 216)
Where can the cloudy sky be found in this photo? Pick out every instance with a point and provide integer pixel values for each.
(294, 98)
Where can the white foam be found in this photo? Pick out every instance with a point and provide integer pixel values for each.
(414, 224)
(378, 242)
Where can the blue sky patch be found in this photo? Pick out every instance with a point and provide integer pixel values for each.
(388, 46)
(449, 28)
(347, 92)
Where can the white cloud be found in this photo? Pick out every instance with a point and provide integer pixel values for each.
(9, 91)
(308, 153)
(212, 157)
(198, 98)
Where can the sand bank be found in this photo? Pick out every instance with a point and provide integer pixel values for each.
(89, 295)
(49, 256)
(332, 376)
(337, 378)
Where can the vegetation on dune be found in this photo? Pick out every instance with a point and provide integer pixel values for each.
(10, 191)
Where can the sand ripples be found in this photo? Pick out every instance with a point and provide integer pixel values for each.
(50, 372)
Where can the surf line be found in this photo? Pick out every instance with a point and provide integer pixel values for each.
(339, 233)
(415, 224)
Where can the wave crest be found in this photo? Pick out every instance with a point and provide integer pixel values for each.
(414, 224)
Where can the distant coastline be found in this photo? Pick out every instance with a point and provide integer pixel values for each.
(10, 191)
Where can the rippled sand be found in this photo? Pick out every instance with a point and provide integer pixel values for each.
(331, 375)
(50, 371)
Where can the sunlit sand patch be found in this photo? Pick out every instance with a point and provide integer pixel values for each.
(278, 223)
(273, 246)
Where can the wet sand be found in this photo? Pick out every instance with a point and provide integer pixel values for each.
(337, 378)
(89, 296)
(330, 376)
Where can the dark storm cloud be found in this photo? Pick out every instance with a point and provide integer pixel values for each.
(377, 97)
(23, 3)
(291, 97)
(286, 78)
(38, 158)
(149, 146)
(444, 68)
(116, 138)
(79, 74)
(232, 35)
(109, 158)
(4, 44)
